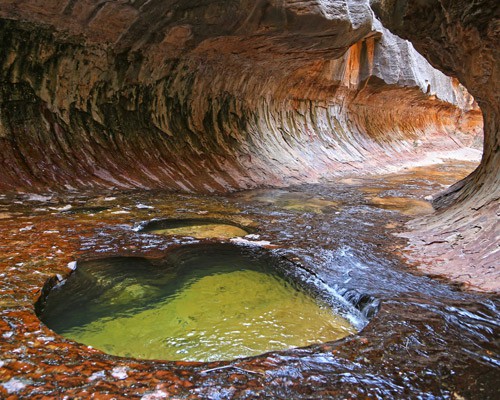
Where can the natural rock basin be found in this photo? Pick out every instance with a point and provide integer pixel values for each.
(428, 338)
(200, 303)
(198, 228)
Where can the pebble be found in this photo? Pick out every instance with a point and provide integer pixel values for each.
(157, 394)
(46, 338)
(141, 206)
(37, 197)
(63, 208)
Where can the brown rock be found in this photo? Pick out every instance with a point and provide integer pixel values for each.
(196, 96)
(460, 38)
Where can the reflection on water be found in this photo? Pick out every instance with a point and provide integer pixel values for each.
(429, 340)
(207, 303)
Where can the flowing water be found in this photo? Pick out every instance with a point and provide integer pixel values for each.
(425, 339)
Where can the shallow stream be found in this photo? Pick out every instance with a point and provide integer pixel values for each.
(429, 339)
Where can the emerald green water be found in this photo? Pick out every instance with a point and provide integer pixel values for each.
(197, 228)
(220, 231)
(216, 305)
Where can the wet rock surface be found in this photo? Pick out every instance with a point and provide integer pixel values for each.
(460, 38)
(429, 339)
(210, 96)
(216, 96)
(200, 228)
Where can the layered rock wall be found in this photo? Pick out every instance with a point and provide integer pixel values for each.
(461, 38)
(213, 96)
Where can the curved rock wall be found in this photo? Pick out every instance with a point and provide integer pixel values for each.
(213, 95)
(461, 38)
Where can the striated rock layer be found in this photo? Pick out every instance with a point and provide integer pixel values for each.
(461, 38)
(214, 95)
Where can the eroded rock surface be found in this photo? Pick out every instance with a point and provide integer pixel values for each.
(460, 38)
(214, 96)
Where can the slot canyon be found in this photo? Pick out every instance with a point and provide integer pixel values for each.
(357, 140)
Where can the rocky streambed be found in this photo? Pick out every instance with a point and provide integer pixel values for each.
(426, 337)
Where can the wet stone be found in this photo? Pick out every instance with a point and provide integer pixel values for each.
(295, 201)
(403, 205)
(423, 325)
(197, 228)
(15, 385)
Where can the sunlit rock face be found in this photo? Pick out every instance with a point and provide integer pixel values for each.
(214, 95)
(461, 38)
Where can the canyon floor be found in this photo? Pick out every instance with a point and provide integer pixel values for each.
(429, 338)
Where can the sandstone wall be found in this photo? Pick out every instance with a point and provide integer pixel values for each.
(213, 95)
(461, 38)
